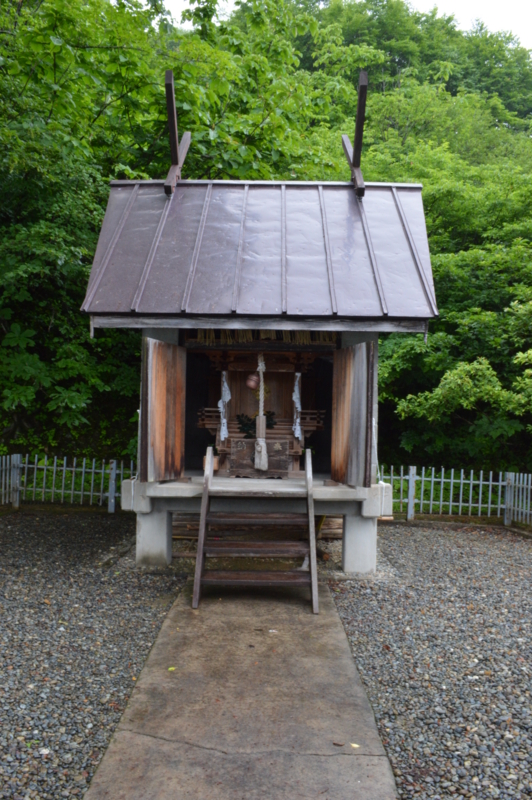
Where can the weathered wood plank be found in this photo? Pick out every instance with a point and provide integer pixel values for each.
(311, 533)
(225, 549)
(174, 175)
(341, 410)
(360, 118)
(184, 144)
(261, 520)
(255, 487)
(255, 578)
(172, 116)
(207, 478)
(348, 149)
(144, 416)
(241, 322)
(164, 410)
(360, 186)
(349, 420)
(370, 358)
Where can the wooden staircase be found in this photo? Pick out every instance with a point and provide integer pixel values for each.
(208, 547)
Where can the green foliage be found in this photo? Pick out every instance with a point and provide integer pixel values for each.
(248, 425)
(429, 47)
(84, 102)
(266, 94)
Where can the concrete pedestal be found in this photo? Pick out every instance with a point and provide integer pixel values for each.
(359, 543)
(154, 538)
(359, 506)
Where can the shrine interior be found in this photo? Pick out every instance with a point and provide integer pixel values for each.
(235, 353)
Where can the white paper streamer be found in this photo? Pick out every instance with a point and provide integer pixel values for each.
(261, 455)
(261, 451)
(261, 369)
(222, 405)
(296, 397)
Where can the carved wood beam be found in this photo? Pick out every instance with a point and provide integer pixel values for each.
(178, 149)
(354, 152)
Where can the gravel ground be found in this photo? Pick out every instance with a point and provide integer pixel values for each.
(76, 624)
(442, 637)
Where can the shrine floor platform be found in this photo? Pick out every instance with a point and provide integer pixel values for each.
(249, 487)
(250, 697)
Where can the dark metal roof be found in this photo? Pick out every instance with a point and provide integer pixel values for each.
(263, 248)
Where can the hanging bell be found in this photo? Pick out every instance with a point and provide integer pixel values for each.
(253, 381)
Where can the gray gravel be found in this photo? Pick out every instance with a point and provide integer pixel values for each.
(73, 638)
(442, 637)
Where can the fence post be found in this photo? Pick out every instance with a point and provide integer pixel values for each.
(112, 487)
(509, 498)
(410, 510)
(16, 468)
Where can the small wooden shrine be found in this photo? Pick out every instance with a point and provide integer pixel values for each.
(260, 305)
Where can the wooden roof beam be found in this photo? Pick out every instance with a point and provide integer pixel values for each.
(178, 149)
(354, 152)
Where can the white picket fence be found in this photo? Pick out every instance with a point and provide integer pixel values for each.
(9, 480)
(460, 493)
(417, 491)
(80, 481)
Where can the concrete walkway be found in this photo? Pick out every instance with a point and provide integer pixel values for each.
(251, 697)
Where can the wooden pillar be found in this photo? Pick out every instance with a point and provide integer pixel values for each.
(162, 422)
(353, 459)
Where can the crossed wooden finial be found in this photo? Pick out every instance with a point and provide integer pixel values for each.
(353, 153)
(178, 149)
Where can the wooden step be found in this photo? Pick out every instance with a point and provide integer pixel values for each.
(259, 520)
(225, 549)
(255, 578)
(256, 487)
(217, 546)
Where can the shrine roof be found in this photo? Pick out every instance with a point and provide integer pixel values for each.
(239, 250)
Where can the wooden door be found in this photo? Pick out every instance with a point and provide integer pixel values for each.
(349, 415)
(162, 446)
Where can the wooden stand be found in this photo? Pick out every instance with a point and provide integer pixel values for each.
(237, 454)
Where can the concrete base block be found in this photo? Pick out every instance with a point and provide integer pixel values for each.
(359, 545)
(154, 538)
(379, 502)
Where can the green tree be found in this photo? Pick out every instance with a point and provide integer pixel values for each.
(83, 83)
(266, 94)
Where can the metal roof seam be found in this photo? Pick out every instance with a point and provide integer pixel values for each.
(151, 255)
(372, 256)
(188, 182)
(197, 248)
(275, 250)
(265, 322)
(415, 254)
(328, 255)
(238, 268)
(109, 252)
(284, 288)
